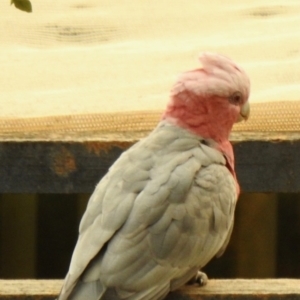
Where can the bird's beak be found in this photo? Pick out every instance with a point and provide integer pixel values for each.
(244, 113)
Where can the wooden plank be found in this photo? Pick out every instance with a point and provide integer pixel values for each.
(216, 289)
(55, 239)
(288, 258)
(18, 235)
(76, 167)
(255, 254)
(55, 167)
(253, 246)
(268, 166)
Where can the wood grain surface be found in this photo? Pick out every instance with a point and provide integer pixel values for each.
(216, 289)
(76, 167)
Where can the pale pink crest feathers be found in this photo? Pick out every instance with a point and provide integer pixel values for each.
(219, 76)
(200, 99)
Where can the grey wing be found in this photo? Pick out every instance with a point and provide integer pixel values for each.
(107, 210)
(130, 262)
(153, 220)
(203, 228)
(224, 246)
(122, 200)
(223, 196)
(175, 227)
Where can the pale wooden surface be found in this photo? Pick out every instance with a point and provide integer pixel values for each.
(214, 287)
(78, 57)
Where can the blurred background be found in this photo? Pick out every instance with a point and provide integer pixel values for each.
(38, 234)
(79, 57)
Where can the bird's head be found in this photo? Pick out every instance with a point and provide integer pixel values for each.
(209, 100)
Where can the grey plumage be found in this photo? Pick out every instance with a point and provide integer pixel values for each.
(163, 210)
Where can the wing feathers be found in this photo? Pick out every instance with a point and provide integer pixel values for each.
(163, 209)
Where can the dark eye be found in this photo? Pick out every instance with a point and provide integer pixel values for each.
(236, 98)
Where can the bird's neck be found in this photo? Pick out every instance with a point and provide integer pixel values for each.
(207, 120)
(207, 123)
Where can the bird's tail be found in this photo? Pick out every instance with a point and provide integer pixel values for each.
(92, 290)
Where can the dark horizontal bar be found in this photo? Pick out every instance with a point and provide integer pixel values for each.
(76, 167)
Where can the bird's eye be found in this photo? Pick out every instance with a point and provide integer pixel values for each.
(236, 98)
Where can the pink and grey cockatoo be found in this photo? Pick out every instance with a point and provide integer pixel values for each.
(166, 206)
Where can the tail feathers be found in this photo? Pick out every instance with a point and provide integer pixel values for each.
(154, 293)
(95, 290)
(111, 294)
(160, 293)
(92, 290)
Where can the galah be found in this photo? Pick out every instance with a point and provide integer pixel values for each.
(166, 206)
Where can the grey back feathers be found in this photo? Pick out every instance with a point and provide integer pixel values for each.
(163, 210)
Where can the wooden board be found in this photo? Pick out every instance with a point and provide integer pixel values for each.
(267, 289)
(76, 167)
